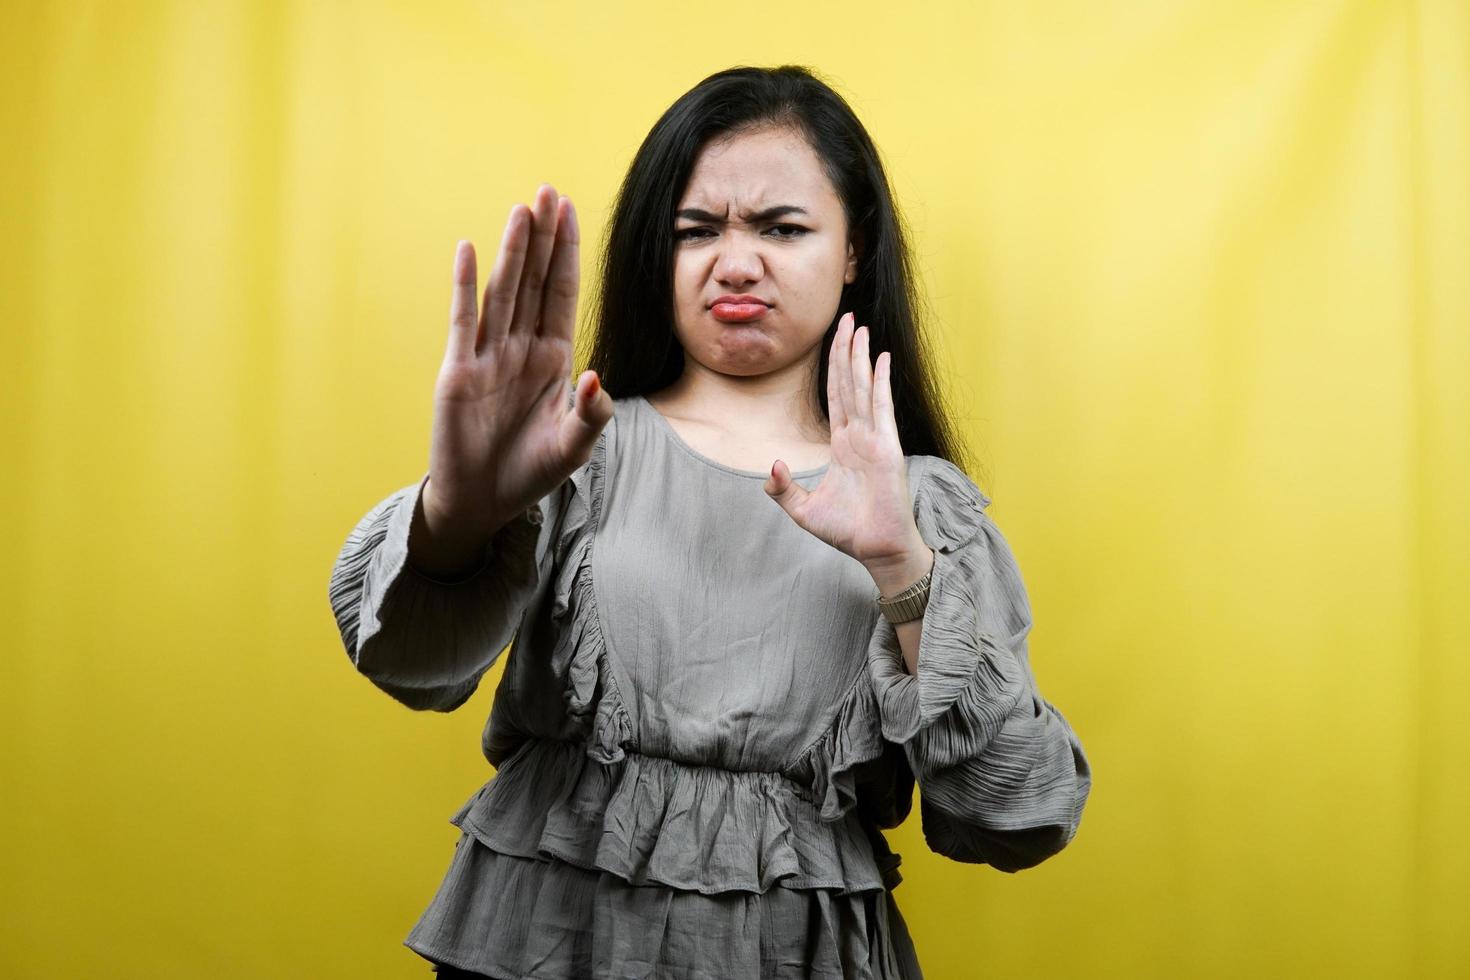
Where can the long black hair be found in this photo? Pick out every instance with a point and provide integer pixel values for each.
(634, 348)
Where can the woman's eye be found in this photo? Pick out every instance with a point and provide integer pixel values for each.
(782, 231)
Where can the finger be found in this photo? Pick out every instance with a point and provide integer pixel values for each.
(533, 276)
(592, 407)
(844, 368)
(500, 290)
(786, 491)
(836, 417)
(559, 310)
(589, 397)
(883, 397)
(463, 317)
(862, 377)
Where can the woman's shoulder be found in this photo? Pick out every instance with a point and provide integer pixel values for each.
(949, 505)
(942, 479)
(625, 410)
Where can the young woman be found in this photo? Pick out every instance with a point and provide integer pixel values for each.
(727, 672)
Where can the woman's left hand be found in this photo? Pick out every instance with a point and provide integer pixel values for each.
(862, 505)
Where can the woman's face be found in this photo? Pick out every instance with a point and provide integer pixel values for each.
(760, 219)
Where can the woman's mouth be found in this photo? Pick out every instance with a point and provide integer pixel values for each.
(738, 312)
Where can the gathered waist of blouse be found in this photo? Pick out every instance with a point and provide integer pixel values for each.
(655, 820)
(782, 779)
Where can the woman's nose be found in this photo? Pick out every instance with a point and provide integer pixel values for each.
(738, 262)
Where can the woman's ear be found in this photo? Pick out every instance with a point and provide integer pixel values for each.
(854, 255)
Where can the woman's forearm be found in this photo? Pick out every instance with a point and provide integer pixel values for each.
(892, 579)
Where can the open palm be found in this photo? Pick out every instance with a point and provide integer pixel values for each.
(506, 431)
(862, 506)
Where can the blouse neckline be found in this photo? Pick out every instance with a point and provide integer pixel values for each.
(678, 440)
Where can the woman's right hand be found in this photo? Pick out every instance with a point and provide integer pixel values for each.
(504, 434)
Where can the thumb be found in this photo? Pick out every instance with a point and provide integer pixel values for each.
(592, 407)
(786, 491)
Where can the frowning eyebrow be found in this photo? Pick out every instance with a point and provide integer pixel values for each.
(769, 214)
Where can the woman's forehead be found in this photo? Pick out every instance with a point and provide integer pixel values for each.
(753, 172)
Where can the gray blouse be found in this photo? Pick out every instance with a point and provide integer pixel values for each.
(704, 722)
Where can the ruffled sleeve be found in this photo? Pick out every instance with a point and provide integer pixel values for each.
(1002, 777)
(427, 641)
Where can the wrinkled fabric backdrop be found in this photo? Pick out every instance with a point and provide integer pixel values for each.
(1199, 283)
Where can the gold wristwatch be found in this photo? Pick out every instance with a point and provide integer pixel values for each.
(909, 604)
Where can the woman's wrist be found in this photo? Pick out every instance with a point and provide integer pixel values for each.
(894, 574)
(443, 552)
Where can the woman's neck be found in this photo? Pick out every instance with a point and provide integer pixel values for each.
(771, 407)
(748, 422)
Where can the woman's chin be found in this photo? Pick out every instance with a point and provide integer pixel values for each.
(745, 349)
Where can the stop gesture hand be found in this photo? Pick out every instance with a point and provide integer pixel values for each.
(507, 429)
(862, 506)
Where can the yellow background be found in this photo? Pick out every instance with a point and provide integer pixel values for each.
(1200, 271)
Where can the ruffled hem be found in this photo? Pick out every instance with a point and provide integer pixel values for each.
(650, 820)
(590, 686)
(592, 695)
(514, 917)
(835, 764)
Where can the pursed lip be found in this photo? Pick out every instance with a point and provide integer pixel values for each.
(742, 298)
